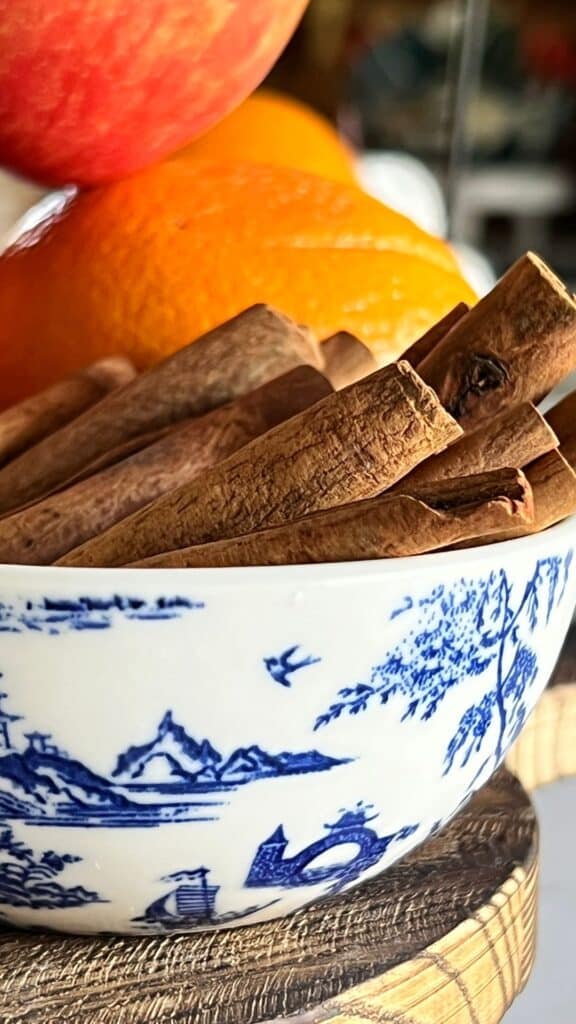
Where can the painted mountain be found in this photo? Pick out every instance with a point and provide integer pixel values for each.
(170, 779)
(36, 783)
(173, 757)
(27, 878)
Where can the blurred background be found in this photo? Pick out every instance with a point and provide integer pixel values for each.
(463, 111)
(462, 114)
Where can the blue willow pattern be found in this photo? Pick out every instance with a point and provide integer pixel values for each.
(353, 830)
(58, 615)
(27, 878)
(469, 629)
(44, 785)
(190, 902)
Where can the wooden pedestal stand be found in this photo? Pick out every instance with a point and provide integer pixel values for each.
(445, 937)
(546, 750)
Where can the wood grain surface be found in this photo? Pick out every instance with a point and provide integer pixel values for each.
(447, 935)
(546, 749)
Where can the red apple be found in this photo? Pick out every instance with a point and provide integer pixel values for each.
(91, 90)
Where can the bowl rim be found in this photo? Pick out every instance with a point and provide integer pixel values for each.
(312, 573)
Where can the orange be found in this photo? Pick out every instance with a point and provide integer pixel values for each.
(149, 263)
(270, 128)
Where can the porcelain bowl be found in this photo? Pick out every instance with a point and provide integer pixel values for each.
(199, 749)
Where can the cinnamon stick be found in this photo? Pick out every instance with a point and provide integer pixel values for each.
(553, 484)
(231, 360)
(515, 437)
(562, 419)
(514, 346)
(349, 446)
(44, 531)
(346, 359)
(389, 526)
(424, 345)
(121, 452)
(111, 458)
(26, 423)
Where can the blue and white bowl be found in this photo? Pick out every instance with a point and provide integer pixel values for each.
(199, 749)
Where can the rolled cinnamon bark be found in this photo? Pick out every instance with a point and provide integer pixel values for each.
(44, 531)
(28, 422)
(275, 406)
(351, 445)
(121, 452)
(346, 359)
(111, 458)
(514, 346)
(568, 450)
(562, 419)
(231, 360)
(390, 526)
(553, 484)
(515, 437)
(424, 345)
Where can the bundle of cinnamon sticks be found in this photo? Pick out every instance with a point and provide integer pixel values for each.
(258, 445)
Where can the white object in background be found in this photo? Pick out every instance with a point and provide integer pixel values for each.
(16, 197)
(528, 195)
(475, 268)
(29, 217)
(406, 185)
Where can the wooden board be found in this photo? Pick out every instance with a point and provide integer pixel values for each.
(445, 936)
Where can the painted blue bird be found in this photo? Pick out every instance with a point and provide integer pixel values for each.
(282, 667)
